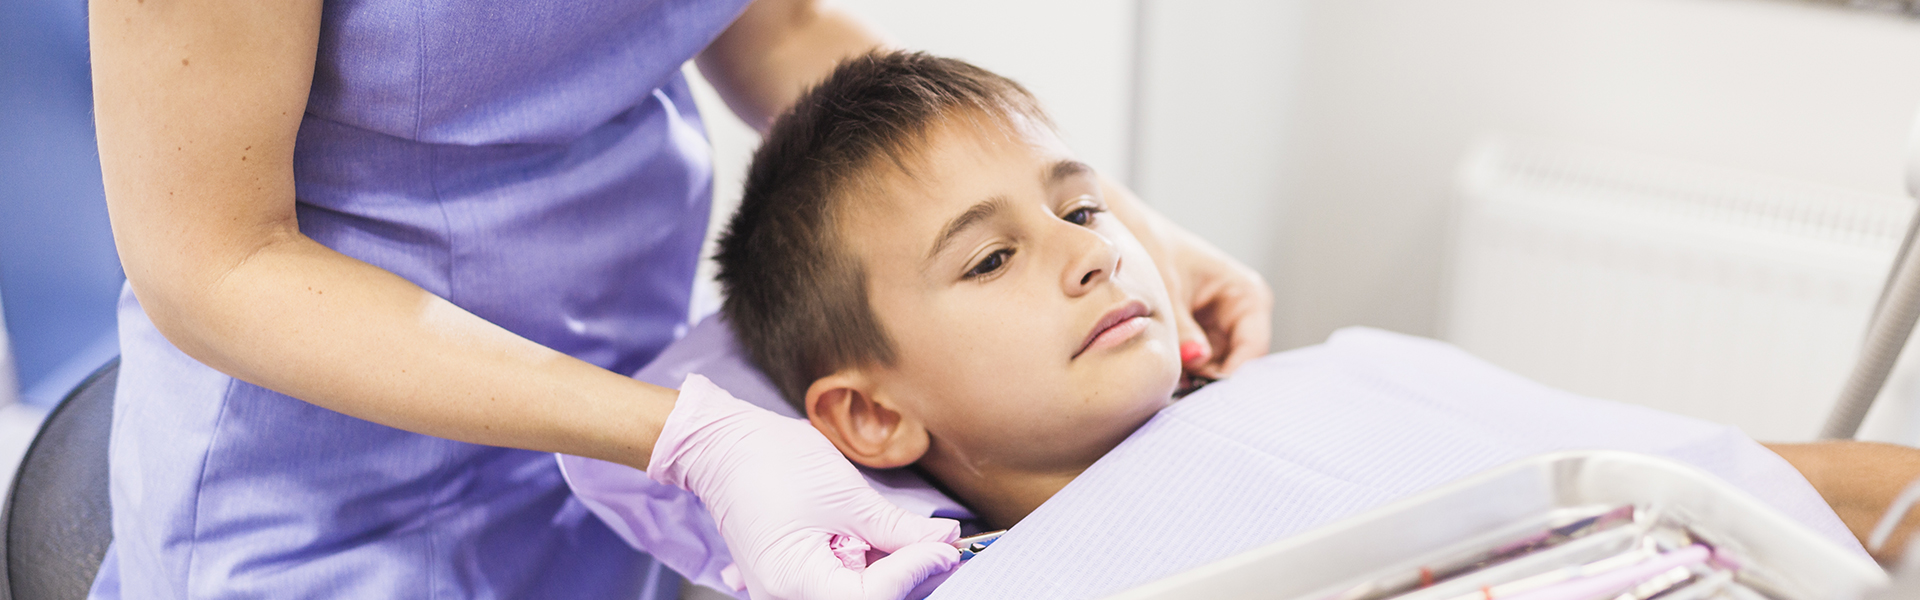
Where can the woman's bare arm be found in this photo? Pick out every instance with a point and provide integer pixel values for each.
(779, 48)
(197, 103)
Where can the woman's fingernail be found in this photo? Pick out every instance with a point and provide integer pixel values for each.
(1191, 350)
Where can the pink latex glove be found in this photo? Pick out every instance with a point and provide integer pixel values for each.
(782, 494)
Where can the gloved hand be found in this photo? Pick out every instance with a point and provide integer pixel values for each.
(785, 499)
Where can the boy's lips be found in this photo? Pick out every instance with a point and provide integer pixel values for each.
(1117, 325)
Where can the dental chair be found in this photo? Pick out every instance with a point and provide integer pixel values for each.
(56, 523)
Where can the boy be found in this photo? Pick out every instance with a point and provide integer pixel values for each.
(922, 266)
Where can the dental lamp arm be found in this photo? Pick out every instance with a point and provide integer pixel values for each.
(1889, 327)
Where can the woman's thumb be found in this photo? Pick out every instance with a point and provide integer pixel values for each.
(897, 574)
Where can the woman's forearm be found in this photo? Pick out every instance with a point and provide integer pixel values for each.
(298, 318)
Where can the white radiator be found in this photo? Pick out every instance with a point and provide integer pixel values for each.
(1725, 295)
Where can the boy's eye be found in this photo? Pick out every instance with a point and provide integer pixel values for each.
(991, 263)
(1082, 216)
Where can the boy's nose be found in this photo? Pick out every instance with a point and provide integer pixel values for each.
(1095, 261)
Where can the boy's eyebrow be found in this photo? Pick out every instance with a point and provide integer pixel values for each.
(1066, 169)
(974, 215)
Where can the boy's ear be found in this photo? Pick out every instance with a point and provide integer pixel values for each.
(866, 428)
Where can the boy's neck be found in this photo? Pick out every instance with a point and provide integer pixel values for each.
(999, 497)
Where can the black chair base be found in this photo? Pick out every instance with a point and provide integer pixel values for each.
(57, 521)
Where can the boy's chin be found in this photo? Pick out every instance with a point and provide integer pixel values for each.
(1139, 394)
(1146, 354)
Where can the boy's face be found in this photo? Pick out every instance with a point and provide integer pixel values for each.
(1031, 330)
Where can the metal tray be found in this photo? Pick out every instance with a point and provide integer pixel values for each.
(1796, 561)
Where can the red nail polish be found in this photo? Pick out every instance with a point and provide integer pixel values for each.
(1189, 351)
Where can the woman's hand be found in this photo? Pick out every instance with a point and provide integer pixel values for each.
(790, 506)
(1223, 308)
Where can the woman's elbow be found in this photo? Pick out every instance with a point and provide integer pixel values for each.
(195, 299)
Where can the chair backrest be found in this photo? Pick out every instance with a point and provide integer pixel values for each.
(57, 521)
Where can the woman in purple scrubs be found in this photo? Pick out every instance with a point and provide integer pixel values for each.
(383, 256)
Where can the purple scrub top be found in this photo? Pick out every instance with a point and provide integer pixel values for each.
(537, 162)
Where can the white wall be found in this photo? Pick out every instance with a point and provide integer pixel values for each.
(1219, 88)
(1392, 92)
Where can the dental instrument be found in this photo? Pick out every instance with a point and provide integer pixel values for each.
(1600, 584)
(973, 545)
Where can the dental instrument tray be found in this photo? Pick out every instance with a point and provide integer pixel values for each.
(1563, 526)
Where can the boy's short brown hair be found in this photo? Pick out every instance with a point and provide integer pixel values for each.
(795, 298)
